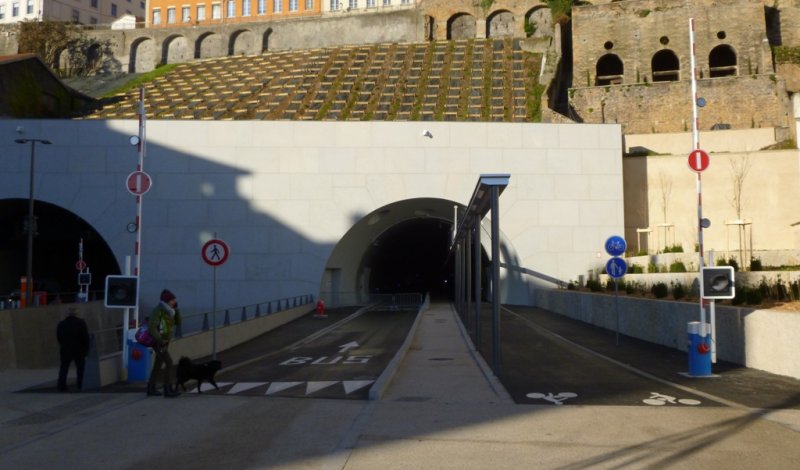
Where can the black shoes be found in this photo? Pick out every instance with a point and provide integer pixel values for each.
(152, 391)
(170, 391)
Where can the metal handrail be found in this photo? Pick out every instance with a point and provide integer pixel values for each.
(197, 322)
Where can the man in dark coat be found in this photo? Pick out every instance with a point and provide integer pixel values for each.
(73, 337)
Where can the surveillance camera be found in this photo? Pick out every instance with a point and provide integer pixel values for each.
(427, 133)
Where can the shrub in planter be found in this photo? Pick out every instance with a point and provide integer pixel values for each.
(753, 296)
(677, 267)
(678, 291)
(741, 295)
(594, 285)
(660, 290)
(652, 268)
(635, 269)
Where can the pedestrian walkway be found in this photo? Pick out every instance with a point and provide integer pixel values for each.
(442, 366)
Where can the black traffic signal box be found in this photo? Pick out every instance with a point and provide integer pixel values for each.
(718, 283)
(122, 291)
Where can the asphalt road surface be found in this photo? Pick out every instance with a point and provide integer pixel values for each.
(341, 360)
(539, 367)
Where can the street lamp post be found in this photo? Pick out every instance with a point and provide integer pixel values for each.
(31, 223)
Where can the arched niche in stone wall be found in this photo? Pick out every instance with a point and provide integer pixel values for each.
(665, 66)
(500, 23)
(209, 45)
(143, 55)
(265, 38)
(609, 70)
(242, 42)
(175, 50)
(461, 26)
(539, 22)
(722, 62)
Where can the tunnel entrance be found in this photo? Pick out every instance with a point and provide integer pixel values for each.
(411, 257)
(55, 251)
(402, 247)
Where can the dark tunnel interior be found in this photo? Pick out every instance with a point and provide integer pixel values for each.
(55, 250)
(413, 256)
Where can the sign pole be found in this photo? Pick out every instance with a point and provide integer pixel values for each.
(696, 146)
(140, 167)
(214, 252)
(214, 315)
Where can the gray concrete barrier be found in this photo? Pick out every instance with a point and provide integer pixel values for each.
(760, 339)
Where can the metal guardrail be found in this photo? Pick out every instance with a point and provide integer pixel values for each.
(388, 301)
(204, 321)
(109, 340)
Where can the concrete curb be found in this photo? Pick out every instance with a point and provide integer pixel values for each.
(488, 374)
(379, 387)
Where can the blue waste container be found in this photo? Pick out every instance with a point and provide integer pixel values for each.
(699, 350)
(139, 362)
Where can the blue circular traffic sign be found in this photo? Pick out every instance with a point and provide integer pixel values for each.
(616, 246)
(616, 267)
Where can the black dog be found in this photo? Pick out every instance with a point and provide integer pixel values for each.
(187, 370)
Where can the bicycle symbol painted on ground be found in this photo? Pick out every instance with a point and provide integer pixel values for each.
(557, 399)
(657, 399)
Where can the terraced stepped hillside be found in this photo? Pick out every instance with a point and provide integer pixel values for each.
(468, 80)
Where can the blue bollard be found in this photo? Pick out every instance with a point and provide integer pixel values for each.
(699, 351)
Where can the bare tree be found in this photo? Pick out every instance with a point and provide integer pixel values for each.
(740, 168)
(665, 188)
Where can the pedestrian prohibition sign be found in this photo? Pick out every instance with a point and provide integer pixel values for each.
(698, 160)
(215, 252)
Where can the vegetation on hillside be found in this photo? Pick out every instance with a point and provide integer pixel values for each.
(50, 39)
(786, 54)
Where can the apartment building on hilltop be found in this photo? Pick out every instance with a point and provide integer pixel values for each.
(176, 13)
(90, 12)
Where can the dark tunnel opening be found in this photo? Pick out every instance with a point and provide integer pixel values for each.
(413, 256)
(55, 251)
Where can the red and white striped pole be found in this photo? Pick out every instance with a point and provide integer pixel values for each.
(137, 248)
(696, 146)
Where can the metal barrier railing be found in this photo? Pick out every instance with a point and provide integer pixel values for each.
(388, 301)
(204, 321)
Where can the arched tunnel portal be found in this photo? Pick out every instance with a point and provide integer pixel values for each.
(55, 250)
(402, 247)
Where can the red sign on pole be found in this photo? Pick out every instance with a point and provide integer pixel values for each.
(215, 252)
(139, 183)
(80, 265)
(698, 160)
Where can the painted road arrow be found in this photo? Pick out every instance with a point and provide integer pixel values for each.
(348, 346)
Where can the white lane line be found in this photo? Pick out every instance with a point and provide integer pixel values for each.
(276, 387)
(312, 387)
(244, 386)
(351, 386)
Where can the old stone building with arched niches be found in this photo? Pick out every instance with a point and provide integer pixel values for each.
(470, 19)
(632, 66)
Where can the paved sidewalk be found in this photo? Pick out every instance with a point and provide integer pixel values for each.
(440, 411)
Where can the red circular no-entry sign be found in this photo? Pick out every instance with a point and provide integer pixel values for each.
(139, 183)
(698, 160)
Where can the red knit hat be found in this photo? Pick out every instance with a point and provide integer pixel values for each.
(166, 296)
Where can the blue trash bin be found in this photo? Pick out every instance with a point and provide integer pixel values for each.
(139, 362)
(699, 351)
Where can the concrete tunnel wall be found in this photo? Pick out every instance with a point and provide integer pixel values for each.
(284, 194)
